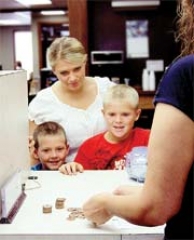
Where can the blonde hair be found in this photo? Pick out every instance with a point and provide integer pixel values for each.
(185, 26)
(122, 92)
(66, 48)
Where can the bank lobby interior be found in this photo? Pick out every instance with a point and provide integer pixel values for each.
(103, 28)
(101, 25)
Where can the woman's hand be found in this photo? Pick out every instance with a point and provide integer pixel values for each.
(71, 168)
(95, 209)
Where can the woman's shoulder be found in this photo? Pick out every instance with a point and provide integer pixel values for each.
(103, 83)
(103, 80)
(45, 94)
(185, 60)
(179, 66)
(43, 104)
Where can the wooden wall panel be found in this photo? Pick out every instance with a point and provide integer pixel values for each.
(78, 20)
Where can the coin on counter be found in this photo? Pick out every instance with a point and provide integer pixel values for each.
(75, 212)
(71, 217)
(74, 209)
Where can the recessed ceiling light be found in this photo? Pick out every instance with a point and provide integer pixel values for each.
(34, 2)
(15, 18)
(54, 12)
(8, 22)
(135, 3)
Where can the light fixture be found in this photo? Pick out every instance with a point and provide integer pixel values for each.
(53, 12)
(134, 3)
(9, 22)
(15, 18)
(34, 2)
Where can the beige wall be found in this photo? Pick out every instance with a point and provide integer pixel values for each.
(7, 41)
(7, 46)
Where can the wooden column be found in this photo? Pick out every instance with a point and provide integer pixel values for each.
(78, 20)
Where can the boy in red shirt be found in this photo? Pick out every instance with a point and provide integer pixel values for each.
(107, 150)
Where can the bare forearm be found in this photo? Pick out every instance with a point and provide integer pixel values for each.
(133, 208)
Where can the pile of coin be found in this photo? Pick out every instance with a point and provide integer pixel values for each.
(47, 208)
(59, 203)
(75, 213)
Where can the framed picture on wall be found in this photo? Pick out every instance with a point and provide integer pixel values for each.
(137, 41)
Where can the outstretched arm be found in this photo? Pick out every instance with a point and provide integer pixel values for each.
(170, 157)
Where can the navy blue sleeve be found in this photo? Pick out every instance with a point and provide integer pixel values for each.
(177, 86)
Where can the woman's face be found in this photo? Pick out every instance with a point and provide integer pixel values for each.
(70, 75)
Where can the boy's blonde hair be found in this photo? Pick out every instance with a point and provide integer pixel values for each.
(122, 92)
(47, 129)
(66, 48)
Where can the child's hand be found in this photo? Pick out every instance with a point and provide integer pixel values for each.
(71, 168)
(33, 156)
(30, 142)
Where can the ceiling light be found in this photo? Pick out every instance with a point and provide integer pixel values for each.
(34, 2)
(135, 3)
(25, 14)
(15, 18)
(9, 22)
(57, 12)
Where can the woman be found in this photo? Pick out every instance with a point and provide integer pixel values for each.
(167, 195)
(75, 101)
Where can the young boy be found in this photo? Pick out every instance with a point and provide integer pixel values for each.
(50, 145)
(107, 150)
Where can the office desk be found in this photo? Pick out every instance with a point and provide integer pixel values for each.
(147, 107)
(30, 223)
(146, 100)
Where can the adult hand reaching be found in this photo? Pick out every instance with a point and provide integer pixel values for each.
(95, 209)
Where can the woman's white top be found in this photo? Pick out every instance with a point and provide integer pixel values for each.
(79, 124)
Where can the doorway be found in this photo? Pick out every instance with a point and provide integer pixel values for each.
(23, 50)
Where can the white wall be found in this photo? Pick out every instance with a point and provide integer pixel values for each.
(7, 57)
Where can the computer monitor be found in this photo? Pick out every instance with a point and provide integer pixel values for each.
(106, 57)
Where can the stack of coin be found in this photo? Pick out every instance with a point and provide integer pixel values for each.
(59, 204)
(75, 213)
(47, 208)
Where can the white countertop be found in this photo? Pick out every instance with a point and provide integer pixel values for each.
(30, 221)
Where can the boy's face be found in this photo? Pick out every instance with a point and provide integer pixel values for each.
(120, 117)
(52, 151)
